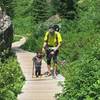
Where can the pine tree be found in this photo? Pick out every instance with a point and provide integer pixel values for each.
(39, 11)
(8, 6)
(65, 8)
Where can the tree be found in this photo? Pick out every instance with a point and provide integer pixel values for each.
(8, 6)
(65, 8)
(39, 11)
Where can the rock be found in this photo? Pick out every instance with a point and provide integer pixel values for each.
(5, 22)
(6, 31)
(53, 20)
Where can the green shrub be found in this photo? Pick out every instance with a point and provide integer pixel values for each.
(35, 40)
(81, 50)
(11, 79)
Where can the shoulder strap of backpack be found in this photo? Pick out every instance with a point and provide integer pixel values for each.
(56, 38)
(47, 37)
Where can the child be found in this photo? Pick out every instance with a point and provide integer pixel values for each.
(37, 62)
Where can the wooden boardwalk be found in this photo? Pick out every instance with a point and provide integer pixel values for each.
(43, 88)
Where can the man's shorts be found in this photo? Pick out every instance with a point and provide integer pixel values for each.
(49, 56)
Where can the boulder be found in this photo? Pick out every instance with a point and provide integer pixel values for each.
(6, 31)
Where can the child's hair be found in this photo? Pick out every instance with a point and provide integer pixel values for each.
(39, 51)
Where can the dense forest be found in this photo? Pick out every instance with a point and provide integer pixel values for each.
(79, 22)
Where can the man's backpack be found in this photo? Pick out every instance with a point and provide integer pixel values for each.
(56, 27)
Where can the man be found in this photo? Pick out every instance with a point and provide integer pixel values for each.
(52, 43)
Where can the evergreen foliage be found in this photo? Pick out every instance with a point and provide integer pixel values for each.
(8, 6)
(65, 8)
(39, 11)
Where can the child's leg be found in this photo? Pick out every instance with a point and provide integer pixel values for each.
(48, 57)
(36, 72)
(39, 71)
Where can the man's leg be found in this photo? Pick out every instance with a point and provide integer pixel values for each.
(49, 66)
(49, 62)
(55, 69)
(55, 63)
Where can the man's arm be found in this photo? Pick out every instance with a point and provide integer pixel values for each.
(58, 46)
(45, 42)
(44, 46)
